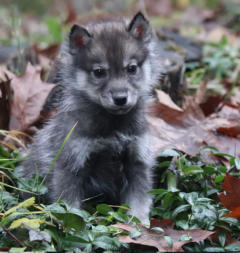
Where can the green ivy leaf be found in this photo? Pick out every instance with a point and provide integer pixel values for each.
(185, 237)
(237, 163)
(71, 221)
(106, 243)
(16, 250)
(233, 247)
(104, 209)
(169, 153)
(135, 233)
(222, 238)
(180, 209)
(169, 241)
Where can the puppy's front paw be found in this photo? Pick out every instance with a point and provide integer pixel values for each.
(142, 214)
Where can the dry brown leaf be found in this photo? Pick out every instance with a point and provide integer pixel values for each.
(189, 130)
(231, 199)
(71, 14)
(232, 130)
(154, 238)
(51, 51)
(211, 104)
(29, 94)
(164, 99)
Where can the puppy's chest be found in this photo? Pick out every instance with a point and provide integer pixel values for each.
(106, 171)
(110, 154)
(115, 144)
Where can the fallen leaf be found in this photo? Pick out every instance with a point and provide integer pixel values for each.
(231, 130)
(231, 199)
(211, 104)
(189, 129)
(154, 238)
(167, 110)
(71, 14)
(51, 51)
(164, 99)
(29, 95)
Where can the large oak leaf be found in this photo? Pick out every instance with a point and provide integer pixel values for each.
(29, 95)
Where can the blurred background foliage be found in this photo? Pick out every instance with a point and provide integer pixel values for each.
(41, 21)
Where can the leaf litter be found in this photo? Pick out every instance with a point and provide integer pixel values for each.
(29, 95)
(155, 238)
(188, 129)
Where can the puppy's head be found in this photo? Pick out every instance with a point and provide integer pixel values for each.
(111, 62)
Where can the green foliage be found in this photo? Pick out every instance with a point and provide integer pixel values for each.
(194, 202)
(13, 25)
(189, 198)
(221, 58)
(213, 4)
(54, 28)
(220, 62)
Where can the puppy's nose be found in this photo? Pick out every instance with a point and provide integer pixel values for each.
(120, 98)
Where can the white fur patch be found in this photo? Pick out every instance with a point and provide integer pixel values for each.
(147, 74)
(81, 80)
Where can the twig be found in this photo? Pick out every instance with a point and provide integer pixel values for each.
(122, 207)
(13, 236)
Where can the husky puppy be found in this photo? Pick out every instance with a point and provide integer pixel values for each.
(106, 70)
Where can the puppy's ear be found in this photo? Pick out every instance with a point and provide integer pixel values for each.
(78, 38)
(139, 28)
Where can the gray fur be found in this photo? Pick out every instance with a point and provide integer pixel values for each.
(108, 153)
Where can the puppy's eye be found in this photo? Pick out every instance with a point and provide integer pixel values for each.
(100, 72)
(132, 69)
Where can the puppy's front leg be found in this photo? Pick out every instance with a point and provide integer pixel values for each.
(138, 168)
(136, 195)
(69, 171)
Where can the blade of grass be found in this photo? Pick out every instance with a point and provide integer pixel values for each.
(58, 154)
(15, 188)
